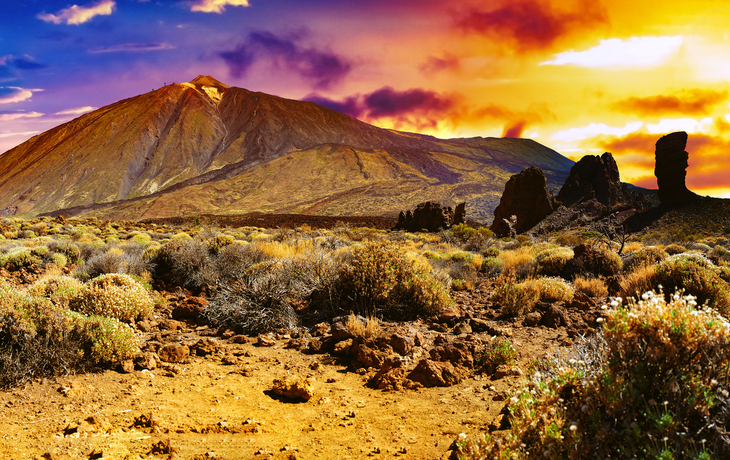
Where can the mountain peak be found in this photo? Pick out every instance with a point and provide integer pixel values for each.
(207, 80)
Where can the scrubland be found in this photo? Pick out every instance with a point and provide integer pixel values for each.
(645, 377)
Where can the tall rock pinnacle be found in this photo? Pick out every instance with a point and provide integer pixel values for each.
(670, 169)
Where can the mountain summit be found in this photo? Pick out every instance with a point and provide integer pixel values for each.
(205, 147)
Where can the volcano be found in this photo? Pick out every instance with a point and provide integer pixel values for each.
(205, 147)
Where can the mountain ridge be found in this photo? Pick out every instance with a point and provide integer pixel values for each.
(175, 140)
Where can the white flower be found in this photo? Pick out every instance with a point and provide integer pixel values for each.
(462, 436)
(614, 303)
(514, 400)
(599, 320)
(573, 427)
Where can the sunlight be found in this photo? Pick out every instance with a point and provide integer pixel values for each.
(596, 129)
(636, 51)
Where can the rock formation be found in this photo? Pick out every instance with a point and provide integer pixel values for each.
(526, 196)
(595, 178)
(430, 216)
(670, 168)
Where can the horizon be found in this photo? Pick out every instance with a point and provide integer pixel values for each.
(577, 76)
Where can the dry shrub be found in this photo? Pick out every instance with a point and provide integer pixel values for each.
(638, 281)
(674, 249)
(36, 338)
(514, 299)
(499, 351)
(551, 289)
(361, 327)
(185, 263)
(381, 278)
(492, 266)
(259, 302)
(515, 258)
(551, 261)
(647, 255)
(696, 275)
(234, 259)
(592, 287)
(116, 296)
(60, 289)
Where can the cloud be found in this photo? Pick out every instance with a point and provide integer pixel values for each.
(5, 134)
(19, 115)
(434, 65)
(76, 111)
(708, 161)
(321, 68)
(75, 15)
(132, 47)
(670, 125)
(515, 129)
(595, 129)
(614, 52)
(13, 94)
(423, 109)
(688, 102)
(528, 25)
(216, 6)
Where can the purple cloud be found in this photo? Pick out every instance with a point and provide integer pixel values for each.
(321, 68)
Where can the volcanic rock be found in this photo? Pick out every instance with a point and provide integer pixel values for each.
(431, 217)
(436, 374)
(595, 178)
(174, 353)
(670, 168)
(527, 197)
(294, 387)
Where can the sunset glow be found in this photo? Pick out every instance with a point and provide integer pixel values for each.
(580, 76)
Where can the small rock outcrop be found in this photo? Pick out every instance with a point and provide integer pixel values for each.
(670, 168)
(596, 178)
(527, 197)
(430, 216)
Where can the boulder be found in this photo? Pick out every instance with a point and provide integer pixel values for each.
(431, 217)
(294, 387)
(527, 197)
(174, 353)
(436, 374)
(670, 168)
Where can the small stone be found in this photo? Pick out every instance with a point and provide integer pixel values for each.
(319, 329)
(127, 366)
(343, 348)
(265, 340)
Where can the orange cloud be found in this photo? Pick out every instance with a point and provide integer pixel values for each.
(708, 161)
(75, 15)
(528, 25)
(515, 129)
(435, 64)
(688, 102)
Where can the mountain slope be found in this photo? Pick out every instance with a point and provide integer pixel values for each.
(204, 146)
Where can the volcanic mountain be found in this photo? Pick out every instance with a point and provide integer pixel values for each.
(205, 147)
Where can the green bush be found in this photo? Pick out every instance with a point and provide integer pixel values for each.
(673, 249)
(491, 252)
(496, 353)
(59, 289)
(116, 296)
(18, 258)
(696, 275)
(492, 266)
(106, 340)
(654, 386)
(382, 279)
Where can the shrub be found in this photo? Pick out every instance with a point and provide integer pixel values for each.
(658, 389)
(638, 281)
(492, 266)
(518, 261)
(551, 261)
(116, 296)
(648, 255)
(186, 263)
(35, 338)
(70, 250)
(551, 289)
(592, 287)
(673, 249)
(234, 259)
(361, 327)
(697, 276)
(382, 279)
(496, 353)
(18, 258)
(59, 259)
(514, 299)
(106, 340)
(491, 252)
(259, 302)
(59, 289)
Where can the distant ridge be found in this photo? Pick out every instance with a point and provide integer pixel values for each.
(204, 147)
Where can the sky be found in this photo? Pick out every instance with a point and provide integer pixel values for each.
(580, 76)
